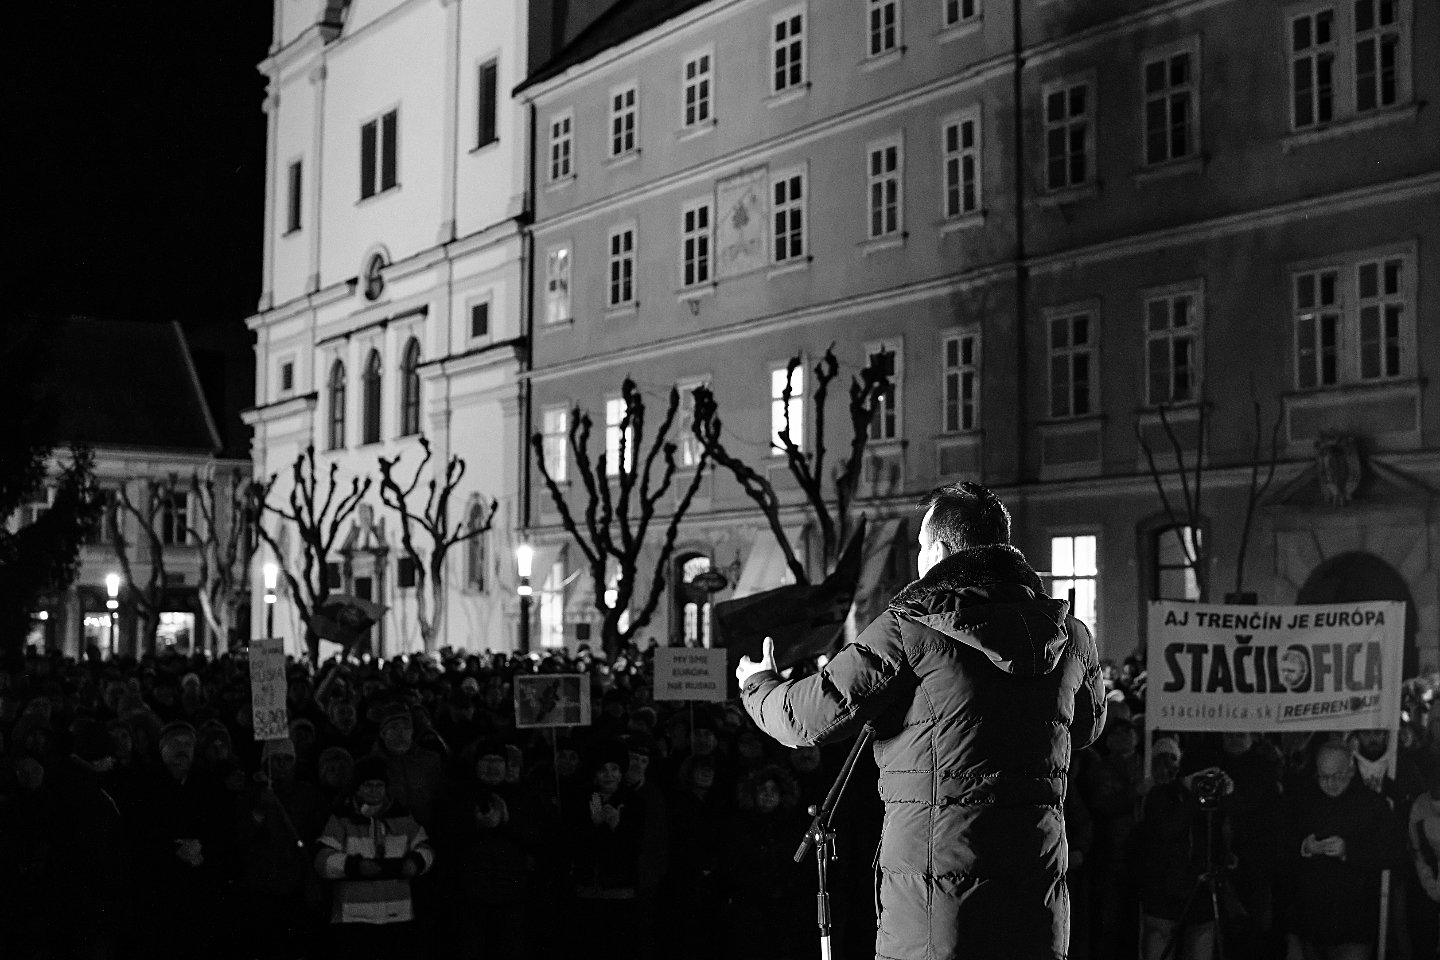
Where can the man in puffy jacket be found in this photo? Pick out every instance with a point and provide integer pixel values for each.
(979, 686)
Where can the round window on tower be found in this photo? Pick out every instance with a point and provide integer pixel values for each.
(374, 278)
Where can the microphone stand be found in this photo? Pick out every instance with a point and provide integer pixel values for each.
(821, 836)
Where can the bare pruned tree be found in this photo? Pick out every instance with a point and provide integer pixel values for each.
(155, 509)
(832, 512)
(621, 502)
(433, 520)
(317, 518)
(225, 536)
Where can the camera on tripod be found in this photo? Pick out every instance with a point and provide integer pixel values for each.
(1209, 786)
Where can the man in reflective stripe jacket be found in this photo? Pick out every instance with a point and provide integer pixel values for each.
(980, 686)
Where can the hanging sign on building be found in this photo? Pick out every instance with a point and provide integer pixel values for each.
(690, 673)
(1318, 667)
(742, 214)
(552, 700)
(267, 688)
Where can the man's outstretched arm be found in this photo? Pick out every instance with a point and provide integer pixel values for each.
(864, 678)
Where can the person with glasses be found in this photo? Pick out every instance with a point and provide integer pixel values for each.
(1339, 837)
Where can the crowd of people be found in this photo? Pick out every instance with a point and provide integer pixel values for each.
(406, 815)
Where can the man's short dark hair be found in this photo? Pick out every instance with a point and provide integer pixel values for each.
(967, 515)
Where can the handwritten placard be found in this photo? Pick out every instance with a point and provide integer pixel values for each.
(267, 688)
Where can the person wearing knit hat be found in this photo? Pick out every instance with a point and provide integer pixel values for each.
(336, 773)
(278, 748)
(177, 728)
(417, 775)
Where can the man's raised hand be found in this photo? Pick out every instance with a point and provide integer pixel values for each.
(746, 667)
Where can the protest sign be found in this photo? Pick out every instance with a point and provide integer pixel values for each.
(690, 673)
(1259, 669)
(268, 688)
(552, 700)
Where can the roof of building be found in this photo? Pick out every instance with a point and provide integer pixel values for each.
(127, 384)
(624, 20)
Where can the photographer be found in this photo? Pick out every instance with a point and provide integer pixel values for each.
(1175, 849)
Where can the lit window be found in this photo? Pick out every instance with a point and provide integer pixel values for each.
(1068, 140)
(787, 50)
(622, 266)
(885, 423)
(779, 408)
(695, 244)
(1176, 554)
(1074, 575)
(699, 78)
(624, 118)
(789, 213)
(562, 142)
(557, 285)
(1071, 346)
(619, 438)
(555, 437)
(961, 142)
(886, 187)
(1173, 338)
(1170, 107)
(884, 25)
(690, 447)
(175, 518)
(962, 382)
(552, 606)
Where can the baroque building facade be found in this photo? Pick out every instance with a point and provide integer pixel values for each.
(1064, 219)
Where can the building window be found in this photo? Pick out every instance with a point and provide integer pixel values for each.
(619, 438)
(334, 579)
(962, 382)
(292, 216)
(378, 141)
(622, 266)
(1377, 54)
(487, 129)
(337, 405)
(886, 182)
(552, 606)
(787, 50)
(555, 437)
(1170, 106)
(1353, 321)
(175, 518)
(480, 320)
(375, 278)
(789, 213)
(1312, 68)
(624, 118)
(476, 549)
(562, 140)
(695, 244)
(699, 77)
(961, 142)
(557, 285)
(1173, 337)
(1176, 550)
(1068, 140)
(405, 573)
(690, 446)
(885, 422)
(782, 412)
(695, 610)
(370, 397)
(1071, 350)
(959, 11)
(287, 376)
(410, 389)
(884, 24)
(1075, 575)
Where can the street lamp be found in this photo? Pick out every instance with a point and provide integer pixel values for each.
(272, 576)
(524, 557)
(112, 587)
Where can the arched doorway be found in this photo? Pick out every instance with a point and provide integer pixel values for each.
(1352, 577)
(692, 604)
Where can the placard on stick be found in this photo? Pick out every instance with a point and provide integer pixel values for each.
(552, 700)
(690, 673)
(268, 688)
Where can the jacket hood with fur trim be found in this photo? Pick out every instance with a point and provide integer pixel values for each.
(991, 599)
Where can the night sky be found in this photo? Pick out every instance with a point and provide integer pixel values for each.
(135, 155)
(135, 172)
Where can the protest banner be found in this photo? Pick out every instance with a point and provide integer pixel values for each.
(268, 688)
(1275, 669)
(691, 673)
(552, 700)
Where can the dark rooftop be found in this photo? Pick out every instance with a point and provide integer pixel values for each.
(624, 20)
(127, 384)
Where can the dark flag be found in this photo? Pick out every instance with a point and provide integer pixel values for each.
(805, 620)
(345, 619)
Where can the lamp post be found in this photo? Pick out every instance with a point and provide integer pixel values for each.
(112, 588)
(524, 556)
(272, 577)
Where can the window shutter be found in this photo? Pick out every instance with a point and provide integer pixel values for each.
(367, 160)
(488, 81)
(388, 132)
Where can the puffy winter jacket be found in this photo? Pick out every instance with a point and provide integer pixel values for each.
(979, 687)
